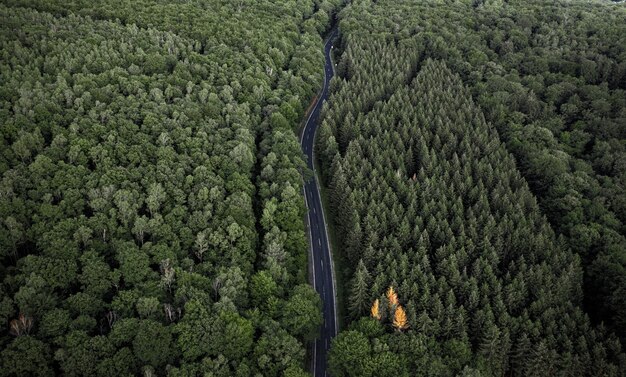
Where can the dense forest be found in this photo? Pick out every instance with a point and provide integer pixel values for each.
(151, 221)
(474, 153)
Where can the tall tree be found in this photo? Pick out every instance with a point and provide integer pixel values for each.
(359, 292)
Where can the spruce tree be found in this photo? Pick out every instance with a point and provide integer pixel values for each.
(359, 300)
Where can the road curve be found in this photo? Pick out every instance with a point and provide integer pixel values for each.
(320, 260)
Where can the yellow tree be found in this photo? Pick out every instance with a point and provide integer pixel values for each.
(392, 297)
(399, 319)
(375, 312)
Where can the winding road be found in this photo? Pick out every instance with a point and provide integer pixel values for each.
(320, 260)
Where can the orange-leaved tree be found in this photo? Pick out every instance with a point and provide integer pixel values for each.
(399, 319)
(374, 311)
(392, 297)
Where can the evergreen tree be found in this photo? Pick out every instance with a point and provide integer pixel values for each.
(359, 292)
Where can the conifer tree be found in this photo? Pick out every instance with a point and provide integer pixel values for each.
(359, 292)
(374, 311)
(392, 298)
(399, 319)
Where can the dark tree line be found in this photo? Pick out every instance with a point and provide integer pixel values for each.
(429, 201)
(151, 220)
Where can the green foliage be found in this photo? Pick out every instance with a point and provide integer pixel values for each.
(359, 292)
(302, 313)
(429, 200)
(82, 354)
(231, 336)
(148, 168)
(276, 350)
(262, 288)
(560, 111)
(193, 331)
(152, 344)
(26, 356)
(349, 353)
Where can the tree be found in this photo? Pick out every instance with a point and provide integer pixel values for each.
(54, 324)
(81, 354)
(262, 288)
(127, 204)
(374, 311)
(201, 245)
(153, 344)
(457, 354)
(340, 199)
(95, 276)
(148, 307)
(277, 351)
(194, 331)
(359, 292)
(134, 263)
(399, 319)
(520, 355)
(34, 298)
(141, 227)
(26, 356)
(16, 232)
(349, 352)
(392, 298)
(369, 327)
(387, 364)
(294, 371)
(233, 286)
(231, 336)
(21, 326)
(302, 313)
(278, 121)
(168, 274)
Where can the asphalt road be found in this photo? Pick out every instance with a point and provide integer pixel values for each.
(320, 261)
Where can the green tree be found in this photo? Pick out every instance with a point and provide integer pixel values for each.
(301, 315)
(262, 288)
(231, 336)
(153, 344)
(276, 351)
(359, 292)
(26, 356)
(349, 354)
(194, 333)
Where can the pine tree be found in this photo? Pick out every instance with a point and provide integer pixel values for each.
(354, 238)
(359, 296)
(521, 355)
(340, 199)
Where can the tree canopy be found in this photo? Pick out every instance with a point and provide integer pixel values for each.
(150, 215)
(440, 174)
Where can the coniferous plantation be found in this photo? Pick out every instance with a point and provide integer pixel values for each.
(474, 156)
(152, 218)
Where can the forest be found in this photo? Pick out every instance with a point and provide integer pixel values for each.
(474, 154)
(151, 221)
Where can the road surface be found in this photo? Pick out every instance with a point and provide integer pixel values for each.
(321, 266)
